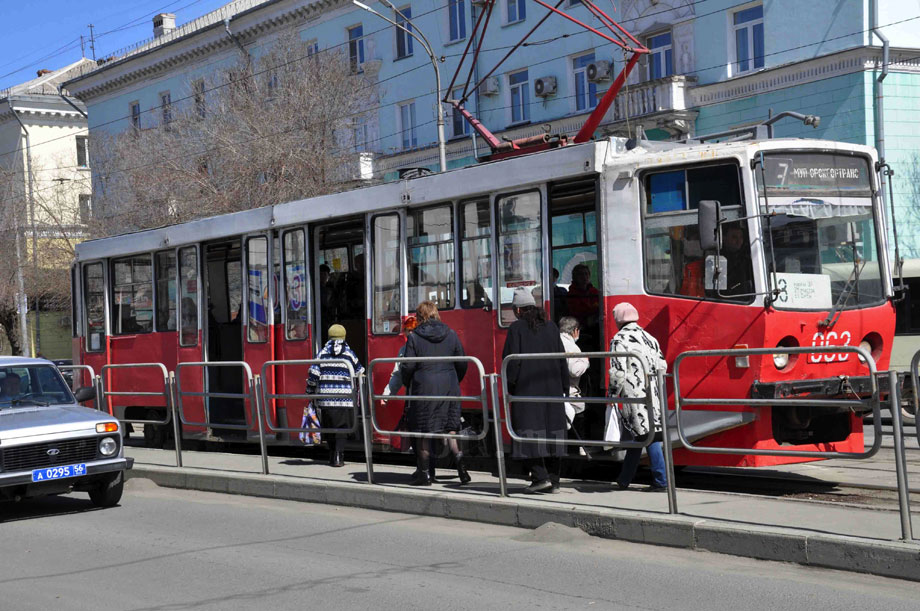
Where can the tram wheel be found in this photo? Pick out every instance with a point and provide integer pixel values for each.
(154, 434)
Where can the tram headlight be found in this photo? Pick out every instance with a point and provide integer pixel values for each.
(781, 360)
(108, 446)
(786, 360)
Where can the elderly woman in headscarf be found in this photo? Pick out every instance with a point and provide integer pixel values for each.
(626, 380)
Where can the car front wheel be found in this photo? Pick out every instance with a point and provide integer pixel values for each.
(108, 492)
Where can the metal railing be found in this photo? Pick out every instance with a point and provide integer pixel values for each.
(482, 399)
(94, 380)
(166, 394)
(355, 396)
(252, 384)
(509, 398)
(915, 381)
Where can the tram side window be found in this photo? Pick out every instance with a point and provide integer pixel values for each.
(430, 238)
(188, 296)
(94, 306)
(386, 273)
(259, 278)
(295, 285)
(132, 295)
(165, 271)
(674, 261)
(475, 244)
(521, 250)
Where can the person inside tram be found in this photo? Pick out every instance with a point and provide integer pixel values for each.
(737, 253)
(560, 295)
(10, 387)
(583, 301)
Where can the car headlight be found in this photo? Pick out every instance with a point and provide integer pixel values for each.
(108, 446)
(780, 360)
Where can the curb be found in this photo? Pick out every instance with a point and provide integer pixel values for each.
(862, 555)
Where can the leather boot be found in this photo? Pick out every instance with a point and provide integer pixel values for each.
(338, 459)
(432, 471)
(421, 476)
(461, 470)
(332, 455)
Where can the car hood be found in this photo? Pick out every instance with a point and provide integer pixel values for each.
(19, 424)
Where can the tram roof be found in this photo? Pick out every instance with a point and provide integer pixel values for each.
(461, 183)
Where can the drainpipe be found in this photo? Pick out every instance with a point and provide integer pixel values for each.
(238, 43)
(886, 173)
(25, 340)
(68, 100)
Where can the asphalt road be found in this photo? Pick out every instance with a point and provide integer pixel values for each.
(172, 549)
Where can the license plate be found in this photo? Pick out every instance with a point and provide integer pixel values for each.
(41, 475)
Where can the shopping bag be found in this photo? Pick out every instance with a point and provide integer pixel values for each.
(613, 430)
(310, 421)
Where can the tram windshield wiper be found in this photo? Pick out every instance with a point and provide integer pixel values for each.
(842, 299)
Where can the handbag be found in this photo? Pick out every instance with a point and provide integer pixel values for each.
(310, 421)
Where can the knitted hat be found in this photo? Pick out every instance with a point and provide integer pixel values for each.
(409, 324)
(336, 332)
(522, 298)
(625, 312)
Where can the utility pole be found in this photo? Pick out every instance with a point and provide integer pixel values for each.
(92, 41)
(82, 47)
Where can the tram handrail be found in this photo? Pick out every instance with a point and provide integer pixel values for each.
(167, 396)
(508, 399)
(267, 396)
(874, 401)
(915, 382)
(251, 395)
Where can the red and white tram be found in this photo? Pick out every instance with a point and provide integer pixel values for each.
(803, 262)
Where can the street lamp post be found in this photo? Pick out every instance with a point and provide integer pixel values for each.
(422, 40)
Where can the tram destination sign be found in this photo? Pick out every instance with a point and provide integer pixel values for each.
(814, 174)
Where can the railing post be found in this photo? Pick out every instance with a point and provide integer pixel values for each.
(666, 440)
(499, 442)
(172, 398)
(894, 405)
(366, 429)
(254, 395)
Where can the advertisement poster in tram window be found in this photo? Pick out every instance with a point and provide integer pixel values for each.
(296, 284)
(258, 297)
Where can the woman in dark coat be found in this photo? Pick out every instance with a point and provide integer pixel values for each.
(433, 338)
(530, 334)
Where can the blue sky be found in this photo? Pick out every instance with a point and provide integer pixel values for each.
(39, 34)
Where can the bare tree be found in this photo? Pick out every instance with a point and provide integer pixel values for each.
(266, 131)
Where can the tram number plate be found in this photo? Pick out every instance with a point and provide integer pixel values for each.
(41, 475)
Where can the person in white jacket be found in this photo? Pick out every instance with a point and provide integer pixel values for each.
(569, 331)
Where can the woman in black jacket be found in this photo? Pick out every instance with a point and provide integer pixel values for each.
(531, 333)
(433, 338)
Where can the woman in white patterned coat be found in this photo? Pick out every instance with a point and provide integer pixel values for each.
(626, 380)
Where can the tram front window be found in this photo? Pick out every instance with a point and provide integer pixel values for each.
(820, 236)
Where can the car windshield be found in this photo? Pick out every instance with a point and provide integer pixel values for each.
(820, 231)
(32, 385)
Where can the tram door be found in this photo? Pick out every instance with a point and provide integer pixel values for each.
(576, 281)
(339, 284)
(223, 326)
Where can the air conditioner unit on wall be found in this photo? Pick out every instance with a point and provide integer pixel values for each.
(598, 71)
(544, 86)
(489, 86)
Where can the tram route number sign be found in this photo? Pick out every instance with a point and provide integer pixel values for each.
(803, 291)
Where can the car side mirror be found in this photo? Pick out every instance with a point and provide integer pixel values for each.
(85, 393)
(709, 217)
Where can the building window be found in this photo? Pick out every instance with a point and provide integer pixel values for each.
(748, 25)
(198, 89)
(585, 91)
(312, 48)
(407, 125)
(166, 107)
(461, 127)
(661, 56)
(86, 208)
(272, 83)
(403, 39)
(82, 151)
(456, 14)
(516, 11)
(359, 131)
(136, 115)
(520, 96)
(356, 48)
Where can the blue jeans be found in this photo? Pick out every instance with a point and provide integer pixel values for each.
(631, 463)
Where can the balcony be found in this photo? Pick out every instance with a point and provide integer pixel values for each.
(659, 104)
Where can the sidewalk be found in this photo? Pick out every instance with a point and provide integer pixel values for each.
(818, 534)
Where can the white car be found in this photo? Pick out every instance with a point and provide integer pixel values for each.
(49, 444)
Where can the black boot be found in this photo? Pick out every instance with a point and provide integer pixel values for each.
(338, 459)
(421, 476)
(461, 470)
(332, 454)
(432, 471)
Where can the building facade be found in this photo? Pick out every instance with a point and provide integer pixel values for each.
(713, 65)
(46, 204)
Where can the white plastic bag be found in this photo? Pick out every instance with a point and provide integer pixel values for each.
(613, 431)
